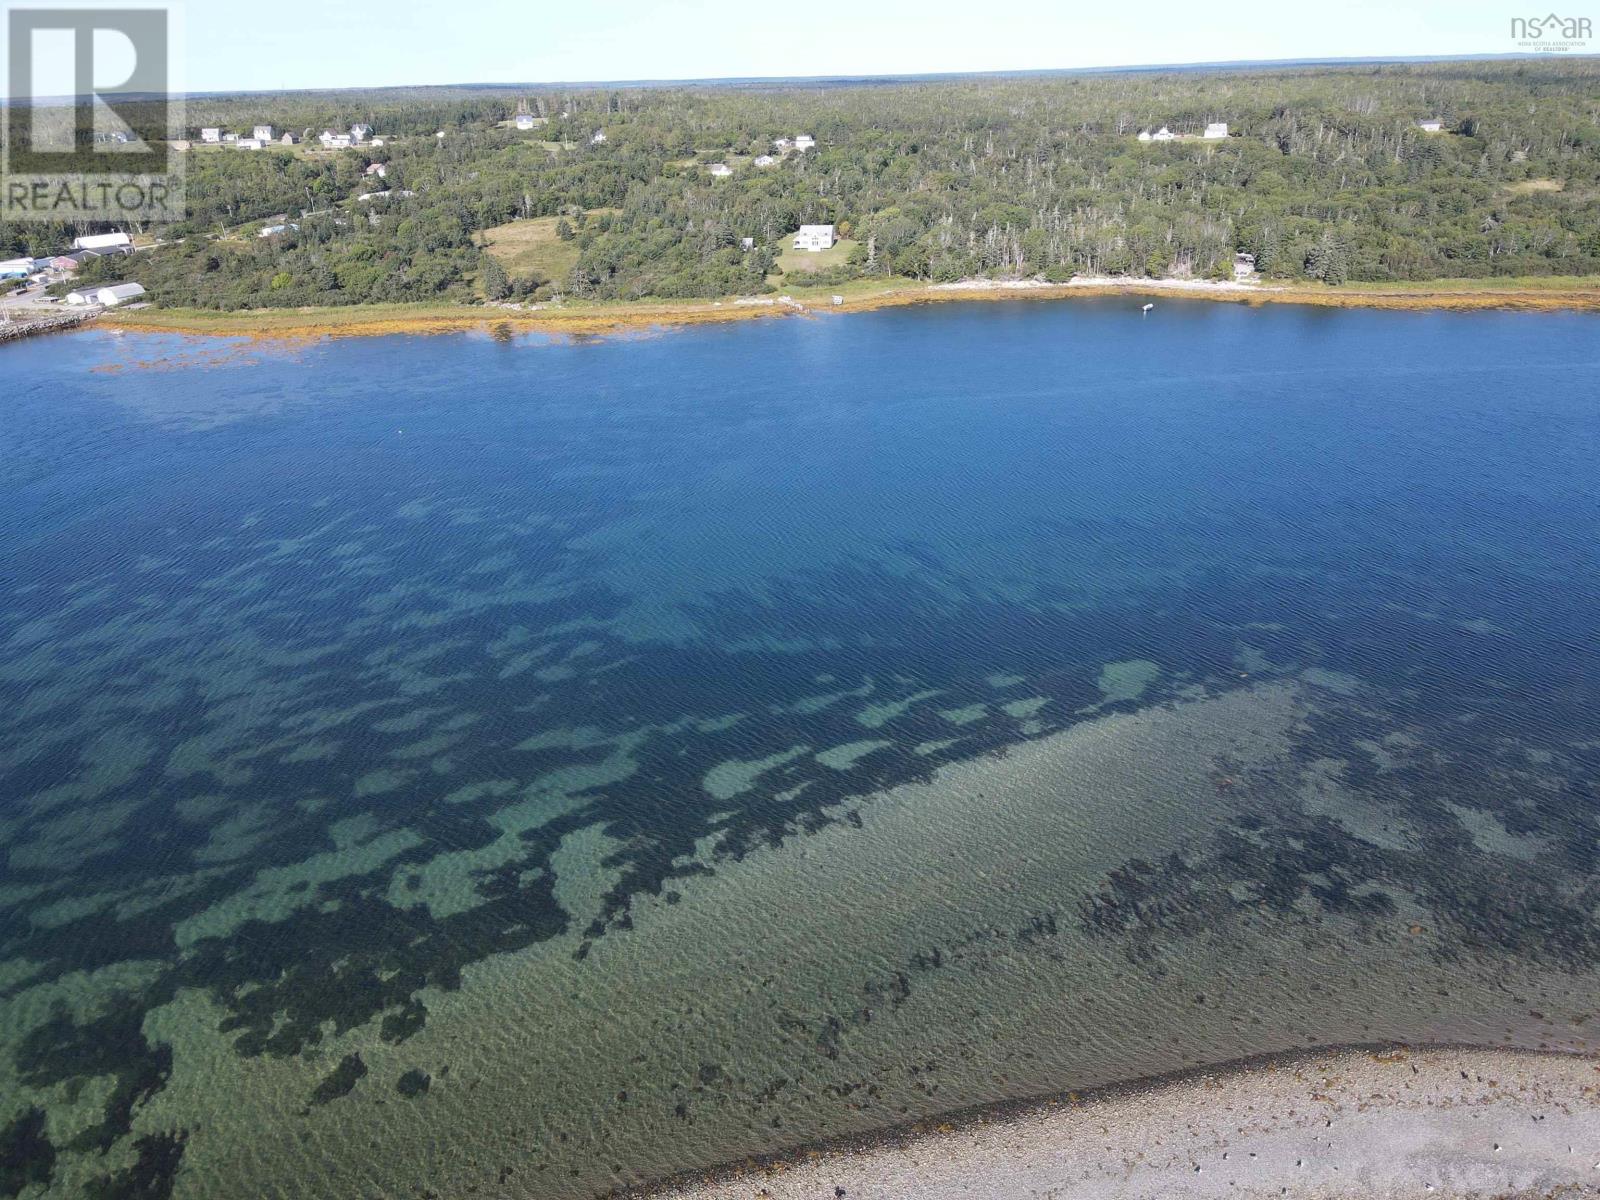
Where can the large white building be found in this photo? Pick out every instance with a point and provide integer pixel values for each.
(210, 134)
(1217, 129)
(262, 133)
(109, 295)
(101, 241)
(804, 142)
(814, 238)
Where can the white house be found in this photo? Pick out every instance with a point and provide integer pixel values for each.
(764, 160)
(747, 243)
(378, 169)
(230, 138)
(1163, 135)
(102, 241)
(1431, 125)
(1144, 135)
(814, 238)
(804, 142)
(781, 145)
(360, 132)
(1244, 266)
(262, 133)
(377, 141)
(210, 134)
(720, 170)
(1216, 129)
(598, 138)
(337, 141)
(249, 143)
(524, 120)
(272, 230)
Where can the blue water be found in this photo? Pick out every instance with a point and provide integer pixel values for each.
(321, 666)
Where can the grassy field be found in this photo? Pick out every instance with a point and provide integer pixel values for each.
(1529, 186)
(531, 250)
(1509, 283)
(795, 265)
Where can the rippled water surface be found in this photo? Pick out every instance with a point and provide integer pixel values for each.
(445, 765)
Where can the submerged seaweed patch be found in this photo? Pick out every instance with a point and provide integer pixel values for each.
(152, 1175)
(341, 1081)
(1274, 856)
(26, 1156)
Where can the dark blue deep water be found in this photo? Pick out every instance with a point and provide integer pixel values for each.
(548, 764)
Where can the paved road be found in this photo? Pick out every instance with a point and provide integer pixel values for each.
(20, 306)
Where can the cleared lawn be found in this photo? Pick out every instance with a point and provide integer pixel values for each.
(531, 250)
(797, 264)
(1530, 186)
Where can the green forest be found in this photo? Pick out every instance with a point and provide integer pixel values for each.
(1325, 176)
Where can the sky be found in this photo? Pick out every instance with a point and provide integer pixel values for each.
(233, 45)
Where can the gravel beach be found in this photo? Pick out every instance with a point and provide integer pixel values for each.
(1365, 1123)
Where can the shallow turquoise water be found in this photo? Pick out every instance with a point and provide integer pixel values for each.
(376, 713)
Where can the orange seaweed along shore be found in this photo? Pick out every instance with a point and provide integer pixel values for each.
(1553, 294)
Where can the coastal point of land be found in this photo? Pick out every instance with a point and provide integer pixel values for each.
(1552, 294)
(1370, 1122)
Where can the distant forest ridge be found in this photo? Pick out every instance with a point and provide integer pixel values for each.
(617, 192)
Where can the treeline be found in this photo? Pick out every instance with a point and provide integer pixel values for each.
(1326, 176)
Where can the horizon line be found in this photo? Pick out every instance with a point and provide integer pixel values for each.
(843, 79)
